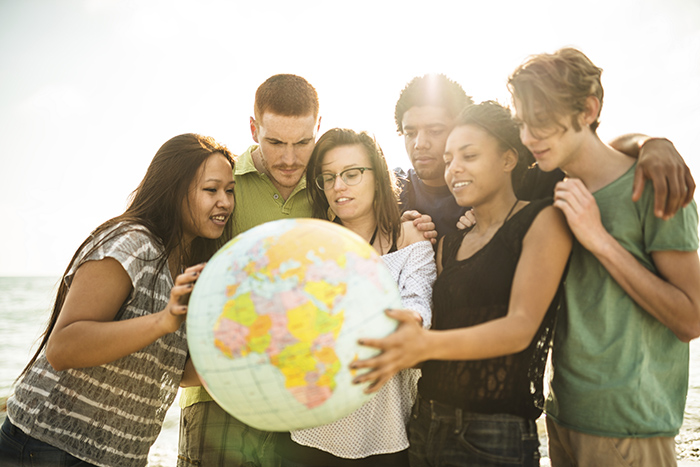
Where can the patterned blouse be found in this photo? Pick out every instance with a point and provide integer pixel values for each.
(379, 426)
(109, 415)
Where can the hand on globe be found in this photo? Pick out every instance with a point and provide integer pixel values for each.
(175, 311)
(404, 348)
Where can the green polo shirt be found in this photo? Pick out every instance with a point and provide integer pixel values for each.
(257, 202)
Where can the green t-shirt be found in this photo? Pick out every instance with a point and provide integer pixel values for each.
(617, 371)
(257, 202)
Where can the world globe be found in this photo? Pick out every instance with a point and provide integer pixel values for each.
(274, 320)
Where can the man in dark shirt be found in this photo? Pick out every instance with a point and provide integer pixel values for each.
(425, 115)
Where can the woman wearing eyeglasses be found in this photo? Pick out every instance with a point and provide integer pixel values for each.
(349, 182)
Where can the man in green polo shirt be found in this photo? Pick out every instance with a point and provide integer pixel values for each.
(270, 185)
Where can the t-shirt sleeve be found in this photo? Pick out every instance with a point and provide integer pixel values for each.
(680, 233)
(130, 245)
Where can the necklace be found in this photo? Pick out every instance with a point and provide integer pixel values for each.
(374, 236)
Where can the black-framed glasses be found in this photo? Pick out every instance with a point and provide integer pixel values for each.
(350, 177)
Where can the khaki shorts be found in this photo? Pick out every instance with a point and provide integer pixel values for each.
(569, 448)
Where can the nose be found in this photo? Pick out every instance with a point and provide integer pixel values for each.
(422, 141)
(339, 184)
(226, 201)
(526, 135)
(288, 156)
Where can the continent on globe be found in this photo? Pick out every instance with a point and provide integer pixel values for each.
(274, 318)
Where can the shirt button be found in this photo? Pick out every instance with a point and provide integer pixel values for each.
(276, 196)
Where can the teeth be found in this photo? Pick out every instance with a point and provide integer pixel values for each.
(340, 200)
(461, 184)
(219, 218)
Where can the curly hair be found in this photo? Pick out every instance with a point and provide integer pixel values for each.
(431, 89)
(497, 120)
(552, 86)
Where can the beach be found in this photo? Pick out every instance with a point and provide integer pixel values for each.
(25, 307)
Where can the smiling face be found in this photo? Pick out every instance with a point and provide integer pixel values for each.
(286, 144)
(210, 201)
(476, 166)
(350, 203)
(425, 130)
(556, 146)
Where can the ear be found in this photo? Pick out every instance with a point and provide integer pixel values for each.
(318, 125)
(591, 111)
(254, 130)
(510, 160)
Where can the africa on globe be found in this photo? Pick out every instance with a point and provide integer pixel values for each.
(274, 319)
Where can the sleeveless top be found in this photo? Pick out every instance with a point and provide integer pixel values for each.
(109, 415)
(477, 290)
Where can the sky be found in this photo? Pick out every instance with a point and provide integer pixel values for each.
(90, 89)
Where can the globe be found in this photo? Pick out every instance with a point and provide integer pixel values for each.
(274, 320)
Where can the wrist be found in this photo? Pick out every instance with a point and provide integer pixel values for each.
(652, 139)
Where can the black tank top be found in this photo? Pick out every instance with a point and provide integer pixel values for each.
(477, 290)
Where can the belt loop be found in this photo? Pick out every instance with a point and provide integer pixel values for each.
(458, 420)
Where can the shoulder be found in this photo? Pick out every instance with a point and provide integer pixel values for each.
(549, 226)
(409, 235)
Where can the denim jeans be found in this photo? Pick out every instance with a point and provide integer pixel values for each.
(17, 449)
(442, 435)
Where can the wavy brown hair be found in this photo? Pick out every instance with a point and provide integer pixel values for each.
(386, 207)
(552, 86)
(157, 205)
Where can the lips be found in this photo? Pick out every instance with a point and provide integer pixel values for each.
(219, 218)
(460, 184)
(343, 200)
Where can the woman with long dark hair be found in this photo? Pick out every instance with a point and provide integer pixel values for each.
(114, 351)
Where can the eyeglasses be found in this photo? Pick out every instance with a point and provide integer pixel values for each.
(350, 177)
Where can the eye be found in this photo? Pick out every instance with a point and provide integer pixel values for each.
(436, 132)
(352, 174)
(230, 191)
(210, 190)
(410, 134)
(327, 178)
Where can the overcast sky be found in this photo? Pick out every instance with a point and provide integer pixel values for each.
(90, 89)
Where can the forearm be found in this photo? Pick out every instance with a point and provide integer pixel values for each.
(503, 336)
(661, 299)
(630, 143)
(190, 377)
(92, 343)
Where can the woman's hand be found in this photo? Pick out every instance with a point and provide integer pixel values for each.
(175, 311)
(404, 348)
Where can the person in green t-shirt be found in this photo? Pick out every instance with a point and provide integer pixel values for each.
(620, 353)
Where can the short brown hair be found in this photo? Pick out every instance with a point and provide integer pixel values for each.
(559, 85)
(286, 95)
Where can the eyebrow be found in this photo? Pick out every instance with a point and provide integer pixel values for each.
(430, 125)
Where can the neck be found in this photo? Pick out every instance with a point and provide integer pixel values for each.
(363, 227)
(492, 212)
(597, 164)
(260, 167)
(435, 182)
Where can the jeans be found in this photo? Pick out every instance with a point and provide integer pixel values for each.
(442, 435)
(18, 449)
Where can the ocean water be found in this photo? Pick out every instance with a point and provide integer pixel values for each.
(24, 310)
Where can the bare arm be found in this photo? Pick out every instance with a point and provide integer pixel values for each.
(86, 334)
(546, 249)
(190, 377)
(673, 297)
(659, 162)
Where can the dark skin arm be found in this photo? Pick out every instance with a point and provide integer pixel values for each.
(659, 162)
